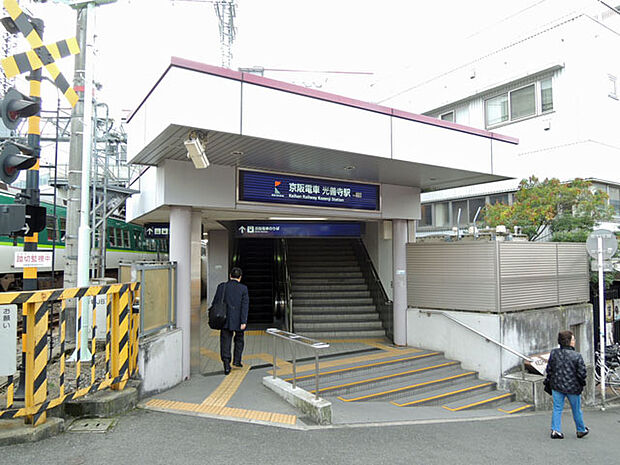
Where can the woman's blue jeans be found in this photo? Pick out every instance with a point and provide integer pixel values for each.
(558, 406)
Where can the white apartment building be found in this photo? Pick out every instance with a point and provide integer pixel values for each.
(555, 87)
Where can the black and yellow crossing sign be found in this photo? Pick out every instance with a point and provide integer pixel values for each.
(41, 55)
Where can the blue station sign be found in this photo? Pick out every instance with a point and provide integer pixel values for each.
(264, 229)
(274, 188)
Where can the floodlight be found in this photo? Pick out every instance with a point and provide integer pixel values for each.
(196, 152)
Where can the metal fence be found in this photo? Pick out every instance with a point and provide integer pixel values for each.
(46, 372)
(496, 276)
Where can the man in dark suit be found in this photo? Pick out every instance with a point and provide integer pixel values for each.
(238, 303)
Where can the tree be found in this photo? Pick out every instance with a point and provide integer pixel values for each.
(566, 211)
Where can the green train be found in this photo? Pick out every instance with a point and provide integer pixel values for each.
(125, 242)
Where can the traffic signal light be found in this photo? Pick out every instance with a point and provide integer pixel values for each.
(14, 158)
(16, 106)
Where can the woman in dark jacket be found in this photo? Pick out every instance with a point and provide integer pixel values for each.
(566, 373)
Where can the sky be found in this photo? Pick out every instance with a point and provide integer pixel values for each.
(390, 38)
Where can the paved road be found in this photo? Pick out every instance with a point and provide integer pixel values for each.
(145, 437)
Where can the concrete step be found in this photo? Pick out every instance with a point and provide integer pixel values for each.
(335, 325)
(434, 378)
(325, 275)
(511, 408)
(324, 269)
(326, 294)
(443, 394)
(330, 302)
(484, 400)
(373, 368)
(328, 287)
(331, 310)
(321, 281)
(330, 317)
(327, 262)
(357, 334)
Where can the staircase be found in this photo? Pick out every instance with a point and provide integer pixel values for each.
(256, 262)
(411, 379)
(330, 295)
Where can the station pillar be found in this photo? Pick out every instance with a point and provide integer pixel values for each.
(180, 252)
(399, 280)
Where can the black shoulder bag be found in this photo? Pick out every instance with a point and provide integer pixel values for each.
(218, 311)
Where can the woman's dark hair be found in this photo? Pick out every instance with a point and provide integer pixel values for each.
(564, 338)
(235, 273)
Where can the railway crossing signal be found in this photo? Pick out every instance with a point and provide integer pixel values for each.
(41, 55)
(14, 158)
(17, 106)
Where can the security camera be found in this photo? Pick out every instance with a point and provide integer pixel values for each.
(197, 153)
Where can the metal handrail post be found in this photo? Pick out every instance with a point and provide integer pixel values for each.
(274, 358)
(316, 373)
(294, 366)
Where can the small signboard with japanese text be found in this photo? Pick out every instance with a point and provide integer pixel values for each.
(8, 340)
(33, 260)
(157, 230)
(279, 188)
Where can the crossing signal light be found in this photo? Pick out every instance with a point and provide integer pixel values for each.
(14, 158)
(17, 106)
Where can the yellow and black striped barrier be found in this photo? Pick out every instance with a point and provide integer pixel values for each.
(121, 345)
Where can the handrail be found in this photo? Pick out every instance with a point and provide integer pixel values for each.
(533, 361)
(377, 291)
(304, 341)
(487, 338)
(363, 253)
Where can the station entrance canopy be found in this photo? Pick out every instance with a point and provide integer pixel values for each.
(261, 125)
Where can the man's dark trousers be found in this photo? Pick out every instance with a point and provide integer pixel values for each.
(226, 337)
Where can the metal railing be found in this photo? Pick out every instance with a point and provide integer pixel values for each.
(523, 358)
(377, 291)
(301, 340)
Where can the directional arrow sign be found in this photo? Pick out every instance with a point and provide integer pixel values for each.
(242, 229)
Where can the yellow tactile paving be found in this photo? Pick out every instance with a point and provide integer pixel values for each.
(251, 332)
(215, 404)
(227, 388)
(342, 361)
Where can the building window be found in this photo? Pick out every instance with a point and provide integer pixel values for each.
(498, 198)
(523, 102)
(427, 215)
(474, 205)
(442, 214)
(459, 213)
(614, 199)
(449, 116)
(612, 87)
(496, 109)
(519, 103)
(546, 95)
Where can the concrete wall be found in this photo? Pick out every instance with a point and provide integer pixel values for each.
(380, 252)
(528, 332)
(218, 259)
(435, 332)
(160, 361)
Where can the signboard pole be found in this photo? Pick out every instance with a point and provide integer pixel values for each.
(601, 318)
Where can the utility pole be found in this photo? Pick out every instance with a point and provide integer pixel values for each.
(74, 175)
